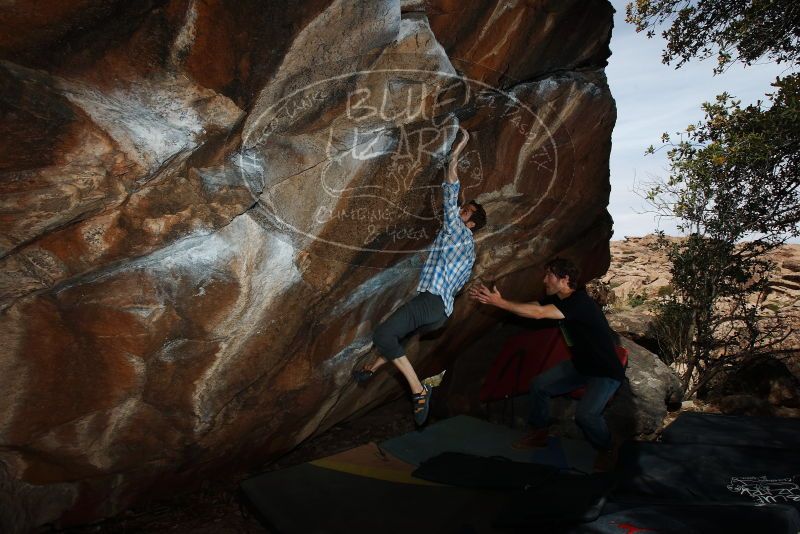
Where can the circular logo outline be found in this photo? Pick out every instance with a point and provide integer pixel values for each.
(270, 210)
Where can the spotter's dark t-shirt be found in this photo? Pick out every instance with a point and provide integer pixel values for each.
(587, 330)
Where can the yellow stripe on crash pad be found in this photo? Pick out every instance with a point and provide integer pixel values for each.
(390, 475)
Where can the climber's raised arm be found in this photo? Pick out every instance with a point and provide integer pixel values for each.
(452, 166)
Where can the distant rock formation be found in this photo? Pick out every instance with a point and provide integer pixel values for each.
(638, 275)
(207, 207)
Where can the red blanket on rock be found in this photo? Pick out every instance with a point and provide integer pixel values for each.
(525, 356)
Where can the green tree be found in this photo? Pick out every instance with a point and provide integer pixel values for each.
(731, 30)
(732, 186)
(735, 191)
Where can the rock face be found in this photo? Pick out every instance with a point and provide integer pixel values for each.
(208, 206)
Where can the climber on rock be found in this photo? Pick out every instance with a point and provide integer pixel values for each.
(594, 361)
(445, 272)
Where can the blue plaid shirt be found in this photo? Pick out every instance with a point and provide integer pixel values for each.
(449, 264)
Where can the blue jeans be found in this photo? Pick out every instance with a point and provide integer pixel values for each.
(564, 378)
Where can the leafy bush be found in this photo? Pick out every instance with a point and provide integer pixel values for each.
(637, 299)
(664, 291)
(672, 327)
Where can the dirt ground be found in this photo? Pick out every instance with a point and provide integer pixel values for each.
(215, 508)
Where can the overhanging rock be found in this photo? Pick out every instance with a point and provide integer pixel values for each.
(208, 206)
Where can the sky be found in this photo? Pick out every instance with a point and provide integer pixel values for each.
(653, 98)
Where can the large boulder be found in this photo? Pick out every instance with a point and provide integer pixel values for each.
(208, 206)
(765, 383)
(651, 388)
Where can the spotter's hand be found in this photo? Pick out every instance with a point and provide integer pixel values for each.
(484, 295)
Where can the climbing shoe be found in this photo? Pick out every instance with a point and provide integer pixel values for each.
(422, 404)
